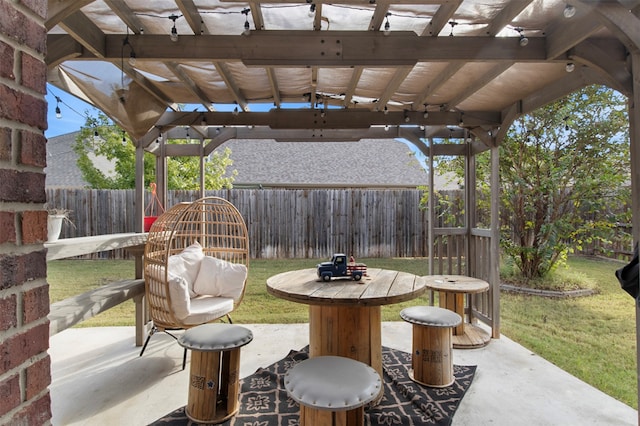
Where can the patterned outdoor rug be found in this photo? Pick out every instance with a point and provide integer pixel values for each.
(264, 401)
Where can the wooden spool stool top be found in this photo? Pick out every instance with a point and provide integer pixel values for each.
(332, 383)
(215, 337)
(431, 316)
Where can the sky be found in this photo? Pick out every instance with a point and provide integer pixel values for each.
(73, 110)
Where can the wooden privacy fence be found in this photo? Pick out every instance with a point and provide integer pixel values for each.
(309, 223)
(301, 223)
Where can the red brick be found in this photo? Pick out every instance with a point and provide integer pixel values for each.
(21, 28)
(38, 412)
(9, 394)
(38, 377)
(5, 144)
(34, 227)
(6, 65)
(35, 304)
(22, 186)
(17, 269)
(7, 227)
(33, 149)
(16, 349)
(8, 312)
(38, 6)
(22, 107)
(34, 73)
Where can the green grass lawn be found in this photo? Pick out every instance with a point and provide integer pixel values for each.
(591, 337)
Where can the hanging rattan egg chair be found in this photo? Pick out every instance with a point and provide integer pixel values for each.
(195, 264)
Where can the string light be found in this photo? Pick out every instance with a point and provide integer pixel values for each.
(453, 24)
(523, 40)
(569, 11)
(247, 27)
(132, 53)
(60, 101)
(570, 67)
(58, 112)
(387, 26)
(174, 31)
(312, 10)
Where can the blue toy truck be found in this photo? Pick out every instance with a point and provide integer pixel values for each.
(338, 267)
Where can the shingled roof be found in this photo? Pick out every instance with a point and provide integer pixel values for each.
(369, 163)
(62, 170)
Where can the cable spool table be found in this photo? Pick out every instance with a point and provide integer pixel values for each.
(452, 291)
(345, 315)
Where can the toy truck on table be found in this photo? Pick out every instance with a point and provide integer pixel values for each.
(339, 267)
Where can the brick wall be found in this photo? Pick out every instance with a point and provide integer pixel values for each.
(25, 371)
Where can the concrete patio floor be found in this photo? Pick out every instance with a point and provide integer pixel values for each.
(99, 379)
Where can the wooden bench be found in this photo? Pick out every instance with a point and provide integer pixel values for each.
(68, 312)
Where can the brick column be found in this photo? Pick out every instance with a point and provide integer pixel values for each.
(25, 372)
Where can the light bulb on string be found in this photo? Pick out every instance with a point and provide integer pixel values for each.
(247, 27)
(387, 26)
(58, 111)
(569, 11)
(174, 31)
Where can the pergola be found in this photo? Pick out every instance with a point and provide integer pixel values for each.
(344, 70)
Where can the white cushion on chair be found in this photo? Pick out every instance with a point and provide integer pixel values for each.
(218, 277)
(207, 308)
(187, 264)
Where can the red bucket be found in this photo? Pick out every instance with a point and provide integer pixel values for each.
(148, 221)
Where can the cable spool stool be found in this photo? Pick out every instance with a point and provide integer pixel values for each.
(432, 356)
(215, 370)
(332, 390)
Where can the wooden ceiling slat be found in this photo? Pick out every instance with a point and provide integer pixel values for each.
(231, 85)
(190, 84)
(506, 15)
(194, 19)
(120, 8)
(478, 83)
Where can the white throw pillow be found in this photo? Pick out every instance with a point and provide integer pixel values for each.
(186, 264)
(180, 299)
(178, 290)
(218, 277)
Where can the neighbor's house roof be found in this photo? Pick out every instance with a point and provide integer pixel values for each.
(267, 163)
(62, 163)
(367, 163)
(62, 170)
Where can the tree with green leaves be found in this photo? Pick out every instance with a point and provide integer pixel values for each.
(564, 171)
(100, 139)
